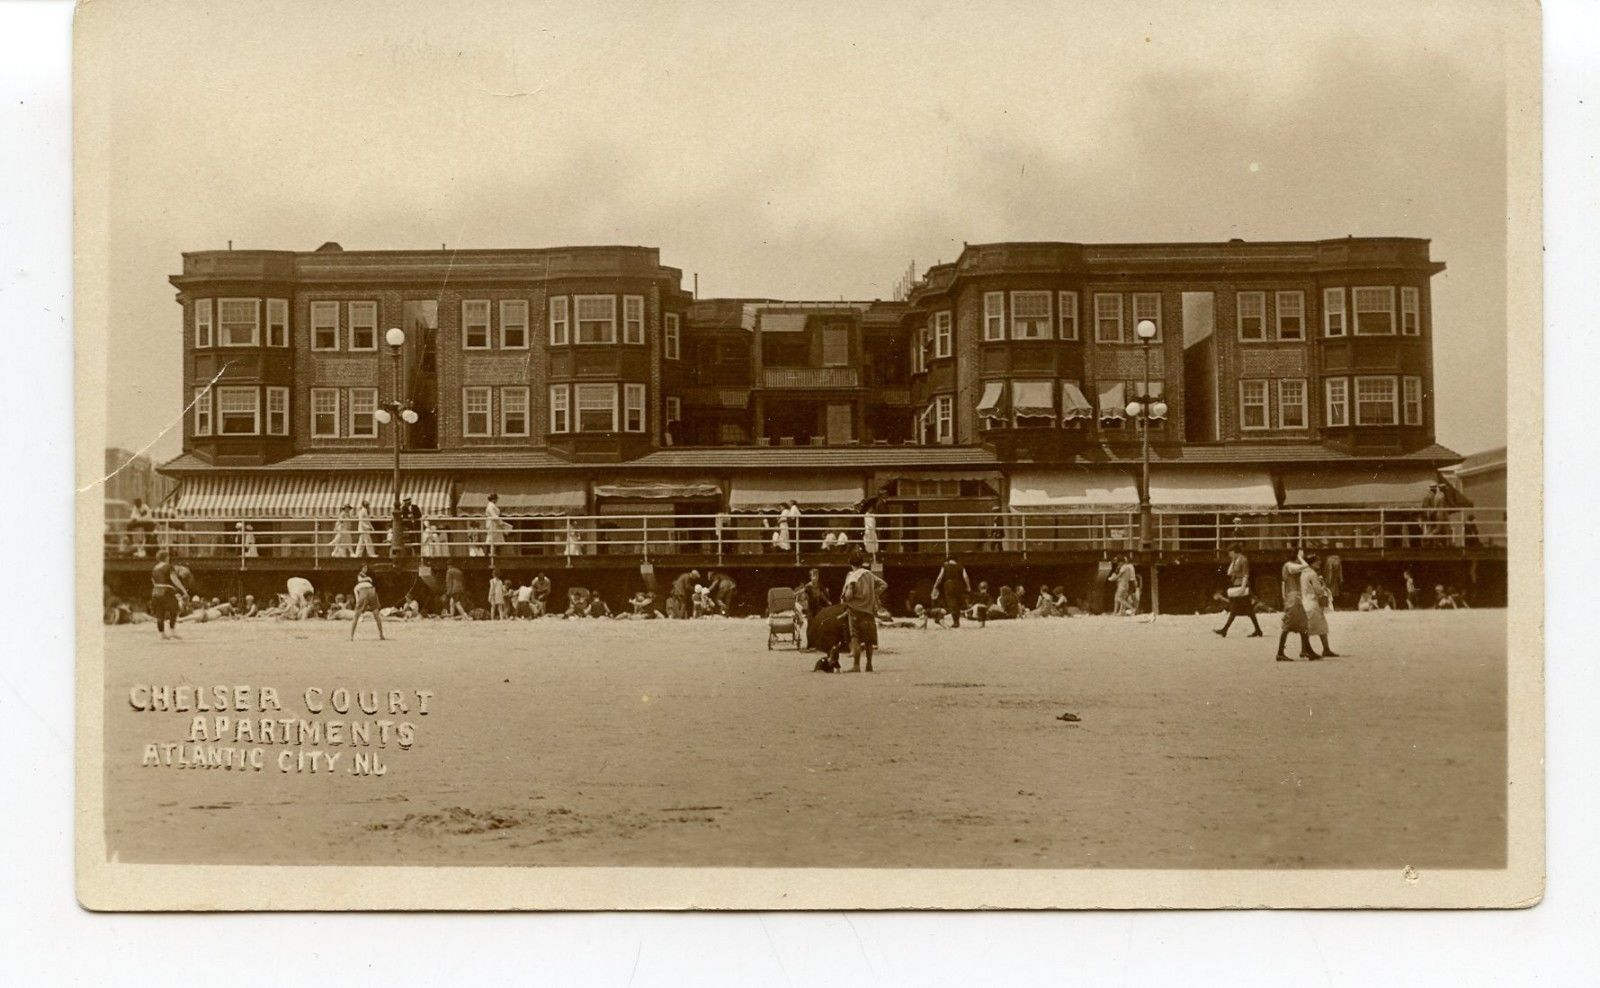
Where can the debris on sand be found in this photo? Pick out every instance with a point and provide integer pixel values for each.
(1070, 718)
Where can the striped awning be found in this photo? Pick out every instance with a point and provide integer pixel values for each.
(284, 495)
(527, 495)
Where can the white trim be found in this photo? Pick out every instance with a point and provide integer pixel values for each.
(1100, 316)
(1408, 384)
(560, 405)
(943, 336)
(511, 305)
(278, 314)
(1155, 318)
(560, 326)
(1299, 298)
(1343, 402)
(1410, 305)
(944, 419)
(222, 413)
(350, 313)
(203, 419)
(633, 400)
(325, 306)
(994, 316)
(629, 322)
(527, 411)
(1046, 322)
(1330, 310)
(255, 322)
(325, 392)
(206, 306)
(487, 394)
(610, 337)
(468, 322)
(1304, 404)
(283, 413)
(1355, 306)
(1067, 313)
(672, 336)
(352, 410)
(1239, 316)
(1265, 404)
(1394, 393)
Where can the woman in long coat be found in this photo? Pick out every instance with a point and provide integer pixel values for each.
(1314, 599)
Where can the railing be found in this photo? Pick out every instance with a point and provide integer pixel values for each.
(753, 536)
(810, 377)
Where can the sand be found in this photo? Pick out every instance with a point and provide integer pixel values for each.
(688, 743)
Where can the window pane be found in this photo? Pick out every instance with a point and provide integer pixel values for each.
(325, 325)
(363, 402)
(597, 407)
(633, 317)
(1067, 304)
(1108, 318)
(597, 319)
(237, 410)
(514, 323)
(1030, 315)
(238, 319)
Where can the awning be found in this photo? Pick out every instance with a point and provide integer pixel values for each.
(1073, 404)
(279, 495)
(1212, 488)
(664, 490)
(525, 495)
(989, 404)
(814, 491)
(1033, 399)
(1073, 490)
(1355, 487)
(1112, 403)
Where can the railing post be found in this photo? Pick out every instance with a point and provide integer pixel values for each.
(644, 535)
(1383, 532)
(1299, 529)
(945, 519)
(1024, 526)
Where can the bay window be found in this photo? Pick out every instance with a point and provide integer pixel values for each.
(238, 411)
(203, 333)
(238, 322)
(994, 316)
(560, 409)
(596, 407)
(1030, 315)
(597, 318)
(1337, 401)
(1376, 401)
(633, 318)
(1374, 312)
(633, 407)
(558, 320)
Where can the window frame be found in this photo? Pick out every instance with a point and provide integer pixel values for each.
(1304, 404)
(1239, 316)
(631, 391)
(1407, 383)
(255, 324)
(337, 417)
(1394, 399)
(1265, 404)
(1355, 308)
(944, 426)
(1410, 311)
(506, 322)
(560, 405)
(578, 409)
(527, 412)
(352, 409)
(994, 317)
(1067, 313)
(671, 336)
(1329, 310)
(1134, 321)
(469, 323)
(560, 308)
(1100, 318)
(1299, 298)
(276, 308)
(283, 413)
(1342, 402)
(673, 411)
(943, 334)
(209, 323)
(203, 412)
(354, 327)
(1047, 321)
(628, 322)
(578, 320)
(469, 392)
(221, 413)
(833, 328)
(325, 306)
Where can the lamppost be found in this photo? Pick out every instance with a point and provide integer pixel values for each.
(396, 408)
(1146, 407)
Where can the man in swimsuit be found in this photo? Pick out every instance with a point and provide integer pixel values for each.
(165, 589)
(366, 600)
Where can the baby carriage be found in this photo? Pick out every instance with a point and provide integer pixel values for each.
(782, 621)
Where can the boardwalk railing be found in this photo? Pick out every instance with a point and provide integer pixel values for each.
(750, 537)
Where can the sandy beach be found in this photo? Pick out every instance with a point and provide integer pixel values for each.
(688, 743)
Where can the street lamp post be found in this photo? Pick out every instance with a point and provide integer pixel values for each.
(1145, 407)
(396, 410)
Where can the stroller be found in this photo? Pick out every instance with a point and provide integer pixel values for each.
(782, 619)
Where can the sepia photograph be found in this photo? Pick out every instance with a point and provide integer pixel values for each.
(702, 456)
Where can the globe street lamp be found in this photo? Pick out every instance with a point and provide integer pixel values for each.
(1146, 408)
(396, 408)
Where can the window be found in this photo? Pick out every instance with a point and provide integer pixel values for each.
(1374, 313)
(1337, 391)
(1030, 315)
(919, 350)
(238, 322)
(277, 322)
(363, 325)
(994, 316)
(1410, 312)
(836, 345)
(1333, 312)
(1252, 316)
(597, 320)
(1108, 318)
(514, 324)
(1375, 401)
(475, 324)
(475, 412)
(363, 423)
(202, 411)
(560, 410)
(674, 409)
(1147, 305)
(1253, 405)
(633, 407)
(277, 411)
(597, 407)
(324, 413)
(633, 318)
(513, 411)
(1411, 400)
(944, 416)
(1291, 315)
(324, 325)
(671, 344)
(941, 334)
(1067, 307)
(558, 321)
(1292, 404)
(202, 322)
(238, 411)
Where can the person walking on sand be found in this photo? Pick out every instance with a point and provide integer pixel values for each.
(366, 601)
(1413, 595)
(861, 593)
(497, 597)
(950, 589)
(1314, 597)
(1294, 611)
(165, 589)
(455, 592)
(1127, 580)
(1241, 602)
(364, 532)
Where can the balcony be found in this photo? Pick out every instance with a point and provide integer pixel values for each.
(810, 377)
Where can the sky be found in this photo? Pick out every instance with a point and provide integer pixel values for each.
(802, 150)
